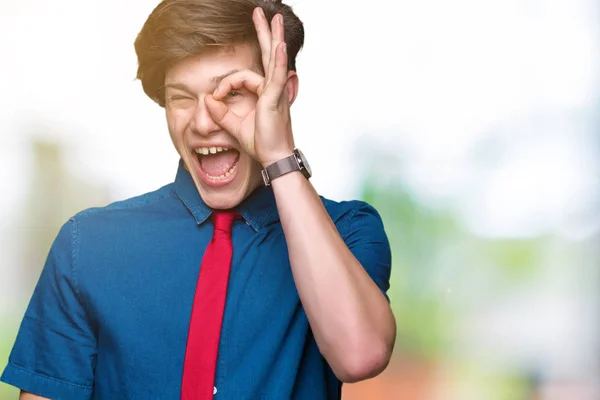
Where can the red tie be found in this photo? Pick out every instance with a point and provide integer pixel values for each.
(207, 312)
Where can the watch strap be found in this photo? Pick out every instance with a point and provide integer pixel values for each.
(281, 167)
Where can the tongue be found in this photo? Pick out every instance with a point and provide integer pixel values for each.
(218, 164)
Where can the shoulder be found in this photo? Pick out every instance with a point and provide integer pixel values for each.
(96, 232)
(137, 205)
(126, 218)
(349, 215)
(361, 227)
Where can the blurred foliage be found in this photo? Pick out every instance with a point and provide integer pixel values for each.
(7, 338)
(414, 235)
(518, 259)
(434, 257)
(468, 377)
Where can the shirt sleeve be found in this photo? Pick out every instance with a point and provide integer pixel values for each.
(366, 238)
(55, 350)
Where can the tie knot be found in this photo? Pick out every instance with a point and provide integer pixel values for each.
(223, 220)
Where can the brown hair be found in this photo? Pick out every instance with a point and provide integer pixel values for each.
(177, 29)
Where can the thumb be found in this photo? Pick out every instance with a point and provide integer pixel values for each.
(222, 115)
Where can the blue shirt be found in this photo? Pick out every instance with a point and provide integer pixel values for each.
(109, 316)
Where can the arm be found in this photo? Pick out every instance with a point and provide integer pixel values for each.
(54, 352)
(28, 396)
(350, 317)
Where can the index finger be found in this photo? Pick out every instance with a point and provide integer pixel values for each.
(242, 79)
(263, 33)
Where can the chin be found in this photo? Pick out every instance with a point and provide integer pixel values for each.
(221, 202)
(227, 197)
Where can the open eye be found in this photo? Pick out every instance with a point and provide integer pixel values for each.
(233, 94)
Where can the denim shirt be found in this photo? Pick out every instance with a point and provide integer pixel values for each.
(110, 313)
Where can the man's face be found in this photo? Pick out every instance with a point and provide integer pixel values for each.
(223, 173)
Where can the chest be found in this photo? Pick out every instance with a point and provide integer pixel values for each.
(146, 289)
(141, 300)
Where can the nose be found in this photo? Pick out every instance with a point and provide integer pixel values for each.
(202, 122)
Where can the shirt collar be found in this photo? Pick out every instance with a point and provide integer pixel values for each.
(258, 209)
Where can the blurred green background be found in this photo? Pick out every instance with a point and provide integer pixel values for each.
(472, 126)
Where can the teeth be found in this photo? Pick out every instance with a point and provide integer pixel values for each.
(210, 150)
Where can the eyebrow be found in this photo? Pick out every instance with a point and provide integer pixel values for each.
(178, 86)
(215, 80)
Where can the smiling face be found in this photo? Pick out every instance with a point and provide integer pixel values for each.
(223, 173)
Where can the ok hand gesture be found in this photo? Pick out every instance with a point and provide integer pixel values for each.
(266, 132)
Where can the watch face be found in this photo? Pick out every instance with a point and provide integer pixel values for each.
(303, 162)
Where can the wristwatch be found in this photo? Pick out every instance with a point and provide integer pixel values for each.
(295, 162)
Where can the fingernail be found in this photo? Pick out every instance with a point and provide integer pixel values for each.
(284, 48)
(280, 19)
(261, 12)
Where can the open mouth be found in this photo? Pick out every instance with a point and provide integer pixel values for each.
(218, 164)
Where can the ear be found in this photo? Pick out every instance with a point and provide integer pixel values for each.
(292, 86)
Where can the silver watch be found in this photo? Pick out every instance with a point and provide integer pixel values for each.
(295, 162)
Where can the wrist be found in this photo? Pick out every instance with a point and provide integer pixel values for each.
(289, 181)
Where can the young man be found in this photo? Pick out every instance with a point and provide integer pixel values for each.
(237, 280)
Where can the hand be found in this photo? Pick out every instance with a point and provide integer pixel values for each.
(266, 132)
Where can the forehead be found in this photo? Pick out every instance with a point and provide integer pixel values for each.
(200, 71)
